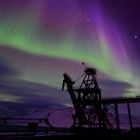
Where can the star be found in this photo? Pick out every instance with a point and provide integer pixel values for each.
(29, 33)
(88, 20)
(135, 36)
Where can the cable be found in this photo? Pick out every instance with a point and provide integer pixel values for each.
(79, 77)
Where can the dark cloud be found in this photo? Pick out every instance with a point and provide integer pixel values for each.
(115, 84)
(20, 96)
(6, 69)
(112, 88)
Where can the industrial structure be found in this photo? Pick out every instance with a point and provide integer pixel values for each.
(86, 99)
(91, 110)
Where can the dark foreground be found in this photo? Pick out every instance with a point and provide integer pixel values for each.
(67, 133)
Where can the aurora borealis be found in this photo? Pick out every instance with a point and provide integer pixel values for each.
(41, 39)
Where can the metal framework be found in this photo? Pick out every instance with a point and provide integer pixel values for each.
(25, 121)
(87, 101)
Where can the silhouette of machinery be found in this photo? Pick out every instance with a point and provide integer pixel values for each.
(86, 100)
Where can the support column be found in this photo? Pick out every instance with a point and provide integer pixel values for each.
(117, 116)
(129, 115)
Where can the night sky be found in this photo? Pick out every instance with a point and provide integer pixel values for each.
(42, 39)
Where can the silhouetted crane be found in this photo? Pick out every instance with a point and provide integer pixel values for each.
(87, 101)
